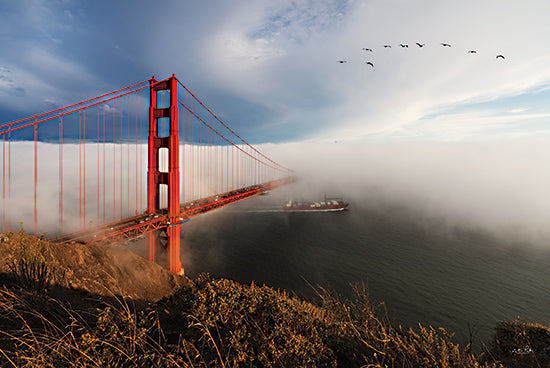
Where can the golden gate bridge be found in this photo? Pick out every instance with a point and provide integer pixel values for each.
(143, 159)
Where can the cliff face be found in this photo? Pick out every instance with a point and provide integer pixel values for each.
(97, 269)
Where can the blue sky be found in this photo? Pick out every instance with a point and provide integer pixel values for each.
(270, 70)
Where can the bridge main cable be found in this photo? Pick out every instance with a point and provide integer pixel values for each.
(228, 128)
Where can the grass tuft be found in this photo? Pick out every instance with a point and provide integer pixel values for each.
(32, 265)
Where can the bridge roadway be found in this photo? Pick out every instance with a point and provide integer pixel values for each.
(136, 226)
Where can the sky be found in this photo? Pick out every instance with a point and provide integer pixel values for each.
(270, 69)
(457, 135)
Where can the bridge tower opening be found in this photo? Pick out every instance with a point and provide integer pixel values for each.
(168, 237)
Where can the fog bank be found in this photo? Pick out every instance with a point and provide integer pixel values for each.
(500, 187)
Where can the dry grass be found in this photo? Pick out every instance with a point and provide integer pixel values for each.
(32, 265)
(259, 326)
(221, 323)
(520, 344)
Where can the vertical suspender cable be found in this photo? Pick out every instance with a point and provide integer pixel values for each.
(61, 175)
(120, 144)
(199, 156)
(226, 167)
(114, 161)
(207, 162)
(136, 204)
(182, 155)
(215, 160)
(212, 157)
(192, 159)
(84, 168)
(183, 163)
(209, 157)
(35, 178)
(216, 153)
(140, 155)
(203, 160)
(9, 177)
(97, 163)
(80, 167)
(128, 161)
(104, 194)
(3, 183)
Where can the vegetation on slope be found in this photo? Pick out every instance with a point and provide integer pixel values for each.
(221, 323)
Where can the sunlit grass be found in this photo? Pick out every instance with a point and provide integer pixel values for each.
(221, 323)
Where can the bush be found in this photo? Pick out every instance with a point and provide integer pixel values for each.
(32, 265)
(247, 325)
(258, 326)
(521, 344)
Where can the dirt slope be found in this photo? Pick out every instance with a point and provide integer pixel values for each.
(98, 269)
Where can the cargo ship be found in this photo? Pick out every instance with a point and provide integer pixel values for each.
(328, 205)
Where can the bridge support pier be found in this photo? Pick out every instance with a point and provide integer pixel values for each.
(171, 178)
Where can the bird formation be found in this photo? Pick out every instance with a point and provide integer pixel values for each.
(420, 45)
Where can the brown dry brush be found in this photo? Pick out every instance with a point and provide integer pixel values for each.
(521, 344)
(259, 326)
(38, 330)
(366, 337)
(239, 325)
(218, 323)
(120, 336)
(32, 265)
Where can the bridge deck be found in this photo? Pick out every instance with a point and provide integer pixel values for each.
(136, 226)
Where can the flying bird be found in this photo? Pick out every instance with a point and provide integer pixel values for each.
(403, 45)
(472, 52)
(446, 44)
(370, 63)
(500, 56)
(367, 49)
(342, 61)
(387, 46)
(421, 44)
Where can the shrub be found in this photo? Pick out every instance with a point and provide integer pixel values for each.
(32, 264)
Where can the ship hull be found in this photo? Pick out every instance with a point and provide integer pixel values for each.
(316, 207)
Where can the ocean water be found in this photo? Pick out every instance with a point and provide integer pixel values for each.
(419, 269)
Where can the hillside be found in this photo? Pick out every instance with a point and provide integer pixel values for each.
(88, 305)
(97, 269)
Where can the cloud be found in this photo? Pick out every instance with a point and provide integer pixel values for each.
(8, 84)
(296, 21)
(280, 59)
(405, 87)
(517, 111)
(492, 186)
(41, 75)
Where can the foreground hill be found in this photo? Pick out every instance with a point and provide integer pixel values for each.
(88, 305)
(97, 269)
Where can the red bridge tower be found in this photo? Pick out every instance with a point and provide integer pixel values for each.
(168, 237)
